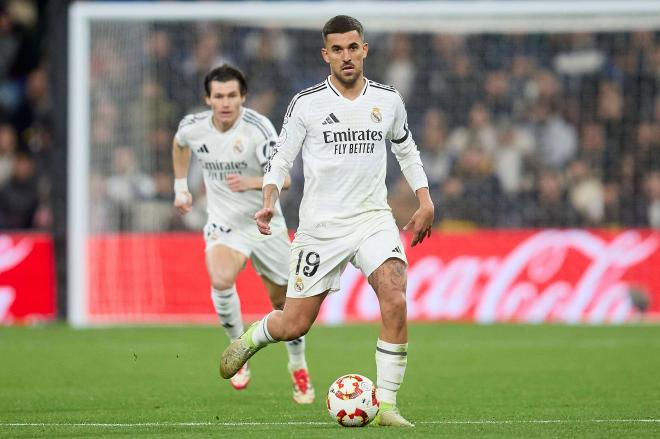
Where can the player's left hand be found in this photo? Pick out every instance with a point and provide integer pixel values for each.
(237, 183)
(420, 224)
(263, 217)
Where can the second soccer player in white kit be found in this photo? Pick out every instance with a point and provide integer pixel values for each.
(233, 144)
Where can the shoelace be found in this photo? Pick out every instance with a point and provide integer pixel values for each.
(302, 379)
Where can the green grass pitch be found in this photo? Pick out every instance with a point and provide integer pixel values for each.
(462, 381)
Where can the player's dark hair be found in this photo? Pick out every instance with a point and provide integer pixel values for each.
(341, 24)
(225, 73)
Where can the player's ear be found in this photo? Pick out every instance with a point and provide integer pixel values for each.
(207, 99)
(365, 48)
(324, 54)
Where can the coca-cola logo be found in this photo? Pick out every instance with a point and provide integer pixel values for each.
(553, 275)
(11, 255)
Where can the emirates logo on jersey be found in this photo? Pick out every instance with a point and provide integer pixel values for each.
(238, 146)
(376, 115)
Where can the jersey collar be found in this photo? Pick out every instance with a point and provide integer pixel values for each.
(335, 91)
(238, 121)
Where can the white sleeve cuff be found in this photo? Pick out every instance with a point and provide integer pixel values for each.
(415, 176)
(277, 180)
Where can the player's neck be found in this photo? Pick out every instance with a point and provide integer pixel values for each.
(349, 91)
(224, 126)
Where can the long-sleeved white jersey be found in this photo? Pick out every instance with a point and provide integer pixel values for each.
(344, 154)
(243, 149)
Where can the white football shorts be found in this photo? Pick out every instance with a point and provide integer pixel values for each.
(316, 264)
(269, 254)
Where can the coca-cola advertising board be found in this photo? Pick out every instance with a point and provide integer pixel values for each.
(571, 276)
(27, 278)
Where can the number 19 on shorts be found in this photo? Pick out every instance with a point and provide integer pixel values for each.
(311, 263)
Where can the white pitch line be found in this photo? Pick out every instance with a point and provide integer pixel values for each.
(252, 424)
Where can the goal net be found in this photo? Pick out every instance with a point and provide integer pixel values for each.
(528, 114)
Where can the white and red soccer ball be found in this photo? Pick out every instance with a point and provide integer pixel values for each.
(352, 400)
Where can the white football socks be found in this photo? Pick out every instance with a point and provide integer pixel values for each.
(391, 360)
(260, 335)
(296, 350)
(228, 308)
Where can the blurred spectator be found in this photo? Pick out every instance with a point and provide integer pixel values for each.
(652, 205)
(399, 66)
(513, 158)
(8, 148)
(479, 132)
(585, 193)
(36, 107)
(19, 196)
(102, 216)
(206, 53)
(127, 185)
(550, 207)
(152, 111)
(433, 149)
(497, 96)
(592, 147)
(267, 54)
(555, 139)
(481, 193)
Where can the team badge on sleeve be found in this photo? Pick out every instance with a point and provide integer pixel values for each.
(376, 115)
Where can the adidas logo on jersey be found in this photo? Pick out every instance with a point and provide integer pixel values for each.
(397, 249)
(330, 119)
(202, 149)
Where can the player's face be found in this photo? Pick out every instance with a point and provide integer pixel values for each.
(225, 100)
(345, 53)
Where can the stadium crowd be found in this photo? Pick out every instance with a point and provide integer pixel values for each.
(524, 130)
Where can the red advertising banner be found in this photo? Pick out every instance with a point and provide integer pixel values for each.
(27, 278)
(571, 276)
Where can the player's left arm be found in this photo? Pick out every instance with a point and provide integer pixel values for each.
(407, 154)
(238, 183)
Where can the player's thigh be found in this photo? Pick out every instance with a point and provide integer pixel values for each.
(270, 257)
(378, 247)
(223, 264)
(315, 265)
(226, 254)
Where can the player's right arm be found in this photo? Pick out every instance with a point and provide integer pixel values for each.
(181, 160)
(277, 169)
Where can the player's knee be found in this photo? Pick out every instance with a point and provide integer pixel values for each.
(394, 303)
(278, 303)
(222, 281)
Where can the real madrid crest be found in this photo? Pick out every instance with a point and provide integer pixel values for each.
(238, 146)
(299, 284)
(376, 115)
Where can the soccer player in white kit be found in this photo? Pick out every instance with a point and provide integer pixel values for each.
(232, 144)
(341, 126)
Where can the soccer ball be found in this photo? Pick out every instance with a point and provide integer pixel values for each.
(352, 400)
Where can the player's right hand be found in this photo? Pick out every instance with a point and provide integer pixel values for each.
(263, 217)
(183, 202)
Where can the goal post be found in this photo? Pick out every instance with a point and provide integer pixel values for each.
(107, 32)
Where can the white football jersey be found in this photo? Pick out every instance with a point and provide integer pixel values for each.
(243, 149)
(344, 153)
